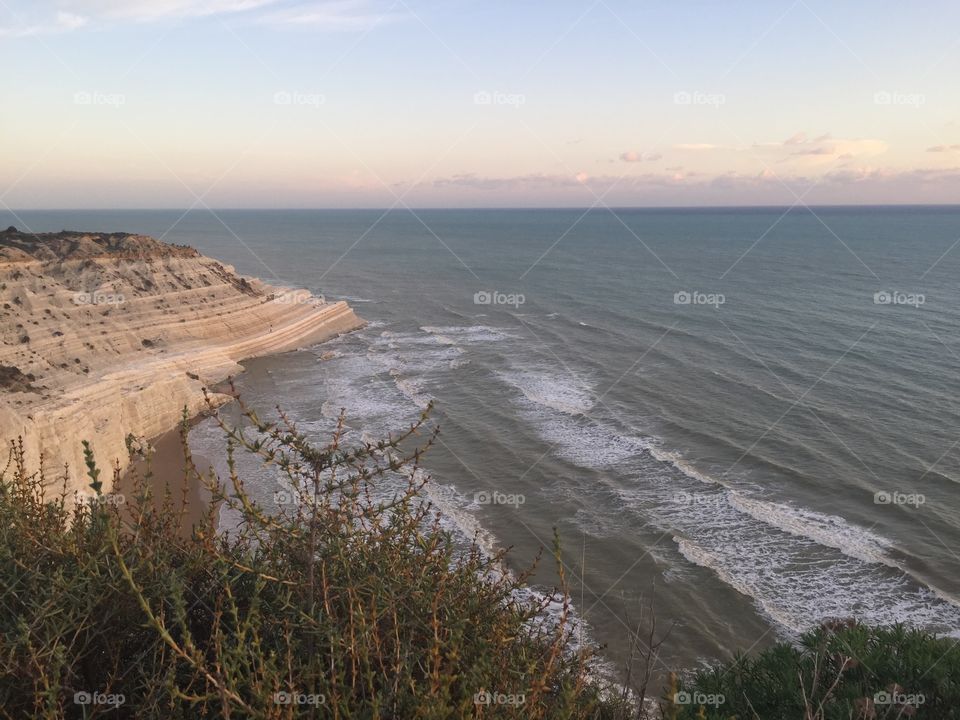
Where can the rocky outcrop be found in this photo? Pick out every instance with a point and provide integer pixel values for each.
(103, 335)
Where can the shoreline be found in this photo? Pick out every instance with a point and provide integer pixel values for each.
(167, 460)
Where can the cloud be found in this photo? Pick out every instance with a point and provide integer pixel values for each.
(943, 148)
(61, 23)
(70, 21)
(814, 151)
(860, 147)
(46, 17)
(696, 146)
(339, 14)
(824, 149)
(632, 156)
(846, 185)
(472, 180)
(800, 138)
(821, 150)
(148, 10)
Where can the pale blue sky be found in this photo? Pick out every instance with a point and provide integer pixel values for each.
(360, 103)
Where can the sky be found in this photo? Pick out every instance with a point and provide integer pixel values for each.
(469, 103)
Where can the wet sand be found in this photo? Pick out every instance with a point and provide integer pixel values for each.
(169, 474)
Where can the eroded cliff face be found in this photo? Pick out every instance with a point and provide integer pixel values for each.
(104, 335)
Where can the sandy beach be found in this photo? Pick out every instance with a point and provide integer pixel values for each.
(169, 474)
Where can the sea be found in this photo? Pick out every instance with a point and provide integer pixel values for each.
(746, 417)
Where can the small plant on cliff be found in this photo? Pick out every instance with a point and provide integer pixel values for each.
(350, 603)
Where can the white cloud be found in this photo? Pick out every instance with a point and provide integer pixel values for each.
(796, 139)
(62, 22)
(824, 149)
(46, 17)
(147, 10)
(70, 21)
(632, 156)
(339, 14)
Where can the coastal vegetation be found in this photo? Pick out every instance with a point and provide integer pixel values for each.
(350, 600)
(842, 670)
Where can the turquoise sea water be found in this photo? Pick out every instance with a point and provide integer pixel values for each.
(751, 413)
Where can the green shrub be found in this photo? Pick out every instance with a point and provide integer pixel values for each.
(840, 671)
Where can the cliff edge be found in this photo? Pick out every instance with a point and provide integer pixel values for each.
(107, 334)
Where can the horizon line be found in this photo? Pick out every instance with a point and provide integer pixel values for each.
(581, 208)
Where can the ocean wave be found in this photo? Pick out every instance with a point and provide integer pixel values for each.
(798, 566)
(583, 441)
(831, 531)
(412, 359)
(412, 390)
(550, 390)
(469, 333)
(456, 518)
(798, 590)
(828, 530)
(361, 383)
(677, 460)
